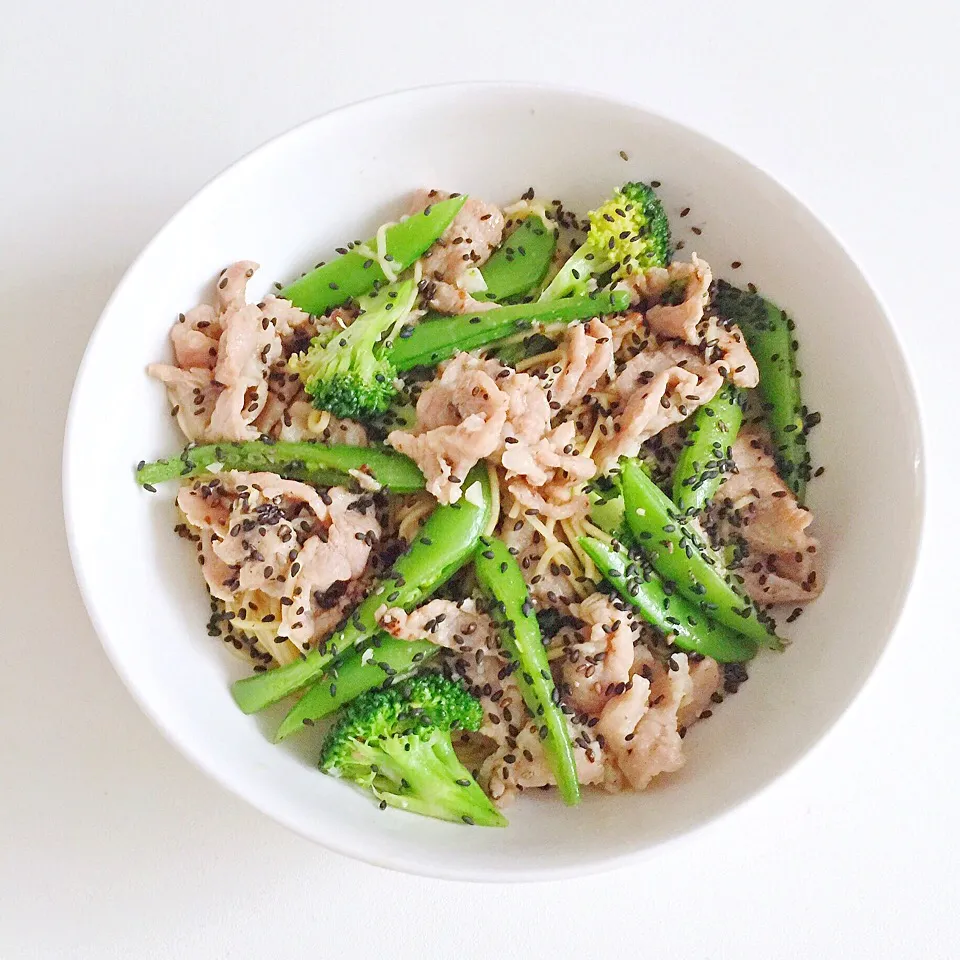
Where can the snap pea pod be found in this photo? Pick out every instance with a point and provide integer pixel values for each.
(521, 261)
(444, 544)
(769, 335)
(670, 613)
(512, 353)
(606, 512)
(358, 671)
(681, 557)
(500, 577)
(355, 272)
(706, 456)
(433, 340)
(325, 465)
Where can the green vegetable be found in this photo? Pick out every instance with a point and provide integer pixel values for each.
(707, 456)
(303, 460)
(630, 232)
(512, 353)
(349, 371)
(396, 743)
(521, 262)
(360, 670)
(431, 341)
(355, 272)
(500, 577)
(443, 545)
(681, 557)
(683, 624)
(769, 335)
(606, 511)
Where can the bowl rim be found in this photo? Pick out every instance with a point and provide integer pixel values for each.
(531, 873)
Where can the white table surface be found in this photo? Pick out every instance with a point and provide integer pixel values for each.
(111, 844)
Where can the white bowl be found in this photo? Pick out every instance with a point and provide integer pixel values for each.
(335, 178)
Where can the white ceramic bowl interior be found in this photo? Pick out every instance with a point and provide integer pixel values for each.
(334, 179)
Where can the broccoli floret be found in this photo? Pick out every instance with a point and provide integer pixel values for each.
(348, 372)
(629, 232)
(396, 743)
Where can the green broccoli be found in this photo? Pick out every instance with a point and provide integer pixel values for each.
(396, 743)
(629, 232)
(348, 372)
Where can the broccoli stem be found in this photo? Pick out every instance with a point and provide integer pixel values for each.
(445, 542)
(671, 613)
(707, 457)
(521, 262)
(355, 272)
(769, 335)
(575, 274)
(354, 674)
(321, 464)
(428, 778)
(680, 556)
(431, 341)
(500, 577)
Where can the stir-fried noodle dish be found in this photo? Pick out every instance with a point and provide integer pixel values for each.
(498, 499)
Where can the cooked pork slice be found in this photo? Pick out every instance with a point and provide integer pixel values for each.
(193, 396)
(737, 365)
(553, 501)
(550, 586)
(460, 419)
(539, 462)
(247, 348)
(283, 539)
(232, 285)
(589, 357)
(675, 302)
(195, 337)
(216, 572)
(602, 657)
(640, 726)
(781, 564)
(289, 321)
(480, 409)
(225, 356)
(690, 284)
(662, 385)
(706, 679)
(543, 467)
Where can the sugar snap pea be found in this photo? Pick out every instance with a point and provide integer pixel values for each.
(355, 272)
(679, 554)
(521, 261)
(707, 456)
(433, 340)
(669, 611)
(769, 335)
(500, 577)
(322, 464)
(358, 671)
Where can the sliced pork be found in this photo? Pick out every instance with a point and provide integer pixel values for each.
(781, 561)
(226, 356)
(662, 385)
(602, 657)
(281, 539)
